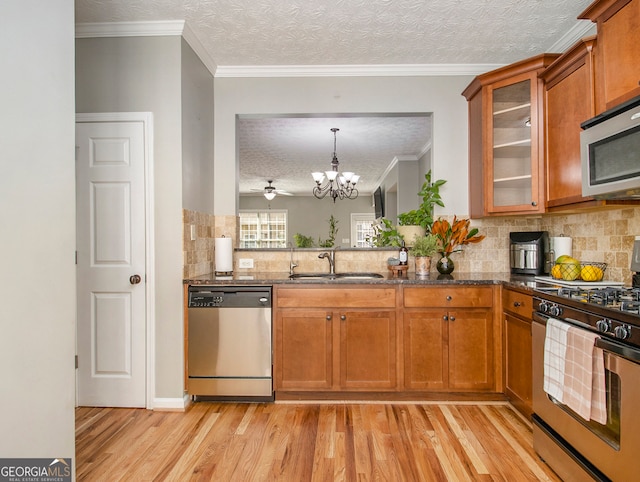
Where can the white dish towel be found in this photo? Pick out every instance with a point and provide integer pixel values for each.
(555, 350)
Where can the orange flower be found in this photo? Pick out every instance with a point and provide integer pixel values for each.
(453, 236)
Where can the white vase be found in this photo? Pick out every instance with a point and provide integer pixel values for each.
(423, 265)
(409, 233)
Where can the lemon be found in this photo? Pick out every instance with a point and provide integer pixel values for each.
(591, 273)
(556, 272)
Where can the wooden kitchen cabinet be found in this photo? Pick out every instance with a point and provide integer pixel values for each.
(367, 349)
(617, 55)
(335, 339)
(569, 100)
(518, 308)
(506, 139)
(449, 339)
(303, 349)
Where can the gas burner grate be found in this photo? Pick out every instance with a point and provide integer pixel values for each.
(632, 307)
(616, 297)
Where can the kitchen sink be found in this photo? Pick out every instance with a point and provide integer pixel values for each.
(311, 276)
(335, 276)
(358, 275)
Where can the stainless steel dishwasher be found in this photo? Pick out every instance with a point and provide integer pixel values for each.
(229, 342)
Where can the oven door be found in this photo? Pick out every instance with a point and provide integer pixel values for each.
(613, 449)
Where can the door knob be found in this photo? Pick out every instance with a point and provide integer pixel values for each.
(135, 279)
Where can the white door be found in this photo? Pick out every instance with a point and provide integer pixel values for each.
(111, 316)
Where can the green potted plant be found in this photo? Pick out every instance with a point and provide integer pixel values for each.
(424, 247)
(415, 223)
(385, 234)
(333, 230)
(303, 241)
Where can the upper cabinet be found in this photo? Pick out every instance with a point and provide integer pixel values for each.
(506, 148)
(569, 100)
(617, 56)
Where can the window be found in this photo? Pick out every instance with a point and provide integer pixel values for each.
(362, 229)
(263, 229)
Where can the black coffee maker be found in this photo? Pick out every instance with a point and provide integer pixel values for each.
(529, 252)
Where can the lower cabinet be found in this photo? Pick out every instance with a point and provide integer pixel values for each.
(371, 339)
(367, 350)
(518, 308)
(304, 350)
(449, 348)
(335, 347)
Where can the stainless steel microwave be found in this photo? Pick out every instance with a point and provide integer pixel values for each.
(610, 150)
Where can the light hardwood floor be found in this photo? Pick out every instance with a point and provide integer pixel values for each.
(308, 442)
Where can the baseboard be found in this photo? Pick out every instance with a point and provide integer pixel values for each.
(171, 404)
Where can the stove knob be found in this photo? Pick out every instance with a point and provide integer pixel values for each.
(622, 332)
(555, 310)
(603, 325)
(543, 306)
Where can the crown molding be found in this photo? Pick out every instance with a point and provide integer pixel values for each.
(161, 28)
(194, 42)
(382, 70)
(581, 29)
(130, 29)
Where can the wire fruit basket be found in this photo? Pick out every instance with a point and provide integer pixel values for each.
(586, 271)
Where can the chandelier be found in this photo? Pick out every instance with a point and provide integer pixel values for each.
(338, 185)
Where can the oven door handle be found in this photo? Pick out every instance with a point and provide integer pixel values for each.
(624, 351)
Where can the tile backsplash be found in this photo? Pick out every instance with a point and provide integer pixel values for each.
(603, 236)
(198, 253)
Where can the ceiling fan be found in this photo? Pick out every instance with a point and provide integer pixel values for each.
(270, 191)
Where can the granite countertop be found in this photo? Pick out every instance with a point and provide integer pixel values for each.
(524, 283)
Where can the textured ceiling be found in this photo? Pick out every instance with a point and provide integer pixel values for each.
(356, 32)
(308, 33)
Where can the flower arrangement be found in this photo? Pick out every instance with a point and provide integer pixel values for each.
(453, 236)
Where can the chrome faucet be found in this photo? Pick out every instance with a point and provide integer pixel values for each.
(292, 265)
(332, 260)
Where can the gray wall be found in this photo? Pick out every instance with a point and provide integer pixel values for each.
(309, 216)
(197, 133)
(144, 74)
(37, 208)
(409, 184)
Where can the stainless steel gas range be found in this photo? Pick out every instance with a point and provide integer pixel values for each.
(580, 448)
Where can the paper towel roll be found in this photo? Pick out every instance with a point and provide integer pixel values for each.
(561, 245)
(223, 255)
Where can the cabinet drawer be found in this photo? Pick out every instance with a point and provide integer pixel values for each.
(336, 297)
(449, 297)
(517, 303)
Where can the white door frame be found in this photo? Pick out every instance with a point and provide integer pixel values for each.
(147, 120)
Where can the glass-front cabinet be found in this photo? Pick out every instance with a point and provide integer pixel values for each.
(513, 171)
(506, 140)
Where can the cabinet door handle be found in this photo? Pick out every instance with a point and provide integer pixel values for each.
(328, 317)
(343, 317)
(517, 304)
(445, 318)
(449, 298)
(452, 318)
(534, 203)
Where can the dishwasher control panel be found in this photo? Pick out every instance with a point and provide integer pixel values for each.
(204, 300)
(229, 297)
